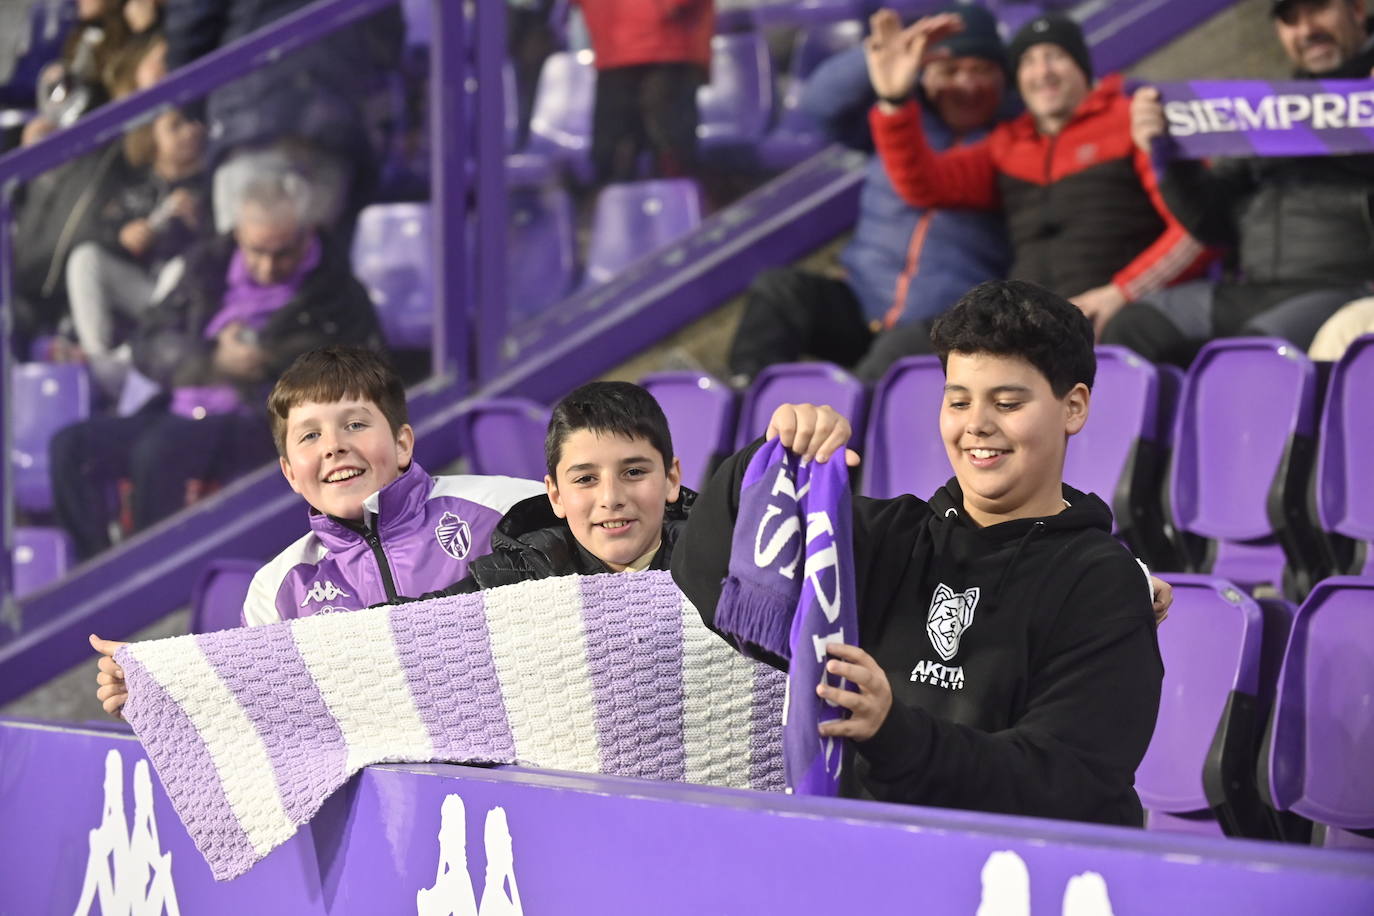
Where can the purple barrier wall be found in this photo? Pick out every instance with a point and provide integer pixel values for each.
(84, 818)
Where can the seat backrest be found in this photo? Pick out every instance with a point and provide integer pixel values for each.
(1345, 499)
(539, 253)
(1244, 402)
(506, 436)
(561, 118)
(392, 257)
(795, 383)
(219, 594)
(1124, 412)
(45, 398)
(41, 556)
(1211, 645)
(635, 219)
(905, 453)
(814, 45)
(1321, 737)
(737, 105)
(701, 412)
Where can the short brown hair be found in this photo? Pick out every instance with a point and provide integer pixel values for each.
(332, 374)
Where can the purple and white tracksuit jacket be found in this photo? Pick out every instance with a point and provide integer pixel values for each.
(418, 534)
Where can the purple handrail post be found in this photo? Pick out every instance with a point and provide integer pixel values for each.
(489, 309)
(449, 145)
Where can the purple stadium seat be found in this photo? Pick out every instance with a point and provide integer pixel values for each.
(1197, 776)
(45, 397)
(797, 136)
(701, 417)
(1345, 498)
(1247, 416)
(1320, 741)
(219, 594)
(561, 121)
(795, 383)
(736, 107)
(806, 12)
(392, 258)
(635, 219)
(41, 556)
(539, 253)
(505, 436)
(905, 453)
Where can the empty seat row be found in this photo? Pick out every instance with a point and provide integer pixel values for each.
(1264, 727)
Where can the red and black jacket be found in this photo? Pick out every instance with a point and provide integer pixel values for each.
(1083, 206)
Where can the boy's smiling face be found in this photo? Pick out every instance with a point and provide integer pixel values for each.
(612, 491)
(338, 454)
(1005, 433)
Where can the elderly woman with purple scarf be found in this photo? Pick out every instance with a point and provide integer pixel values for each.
(247, 304)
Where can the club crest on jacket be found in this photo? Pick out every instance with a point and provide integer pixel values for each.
(454, 535)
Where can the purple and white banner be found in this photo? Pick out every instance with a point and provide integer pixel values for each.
(251, 729)
(1242, 118)
(790, 592)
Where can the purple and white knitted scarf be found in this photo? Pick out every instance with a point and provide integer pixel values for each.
(250, 730)
(790, 591)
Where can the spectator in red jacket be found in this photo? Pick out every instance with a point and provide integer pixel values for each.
(1084, 211)
(651, 56)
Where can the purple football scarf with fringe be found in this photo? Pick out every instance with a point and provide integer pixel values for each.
(1246, 118)
(790, 591)
(251, 729)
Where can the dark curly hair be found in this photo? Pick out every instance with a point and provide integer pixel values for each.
(1016, 318)
(619, 408)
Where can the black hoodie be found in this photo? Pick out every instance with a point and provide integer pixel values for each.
(1041, 703)
(530, 542)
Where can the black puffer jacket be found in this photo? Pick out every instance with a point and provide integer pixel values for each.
(1297, 223)
(530, 542)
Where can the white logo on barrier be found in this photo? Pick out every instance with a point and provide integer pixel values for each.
(452, 893)
(951, 613)
(1006, 890)
(127, 872)
(326, 592)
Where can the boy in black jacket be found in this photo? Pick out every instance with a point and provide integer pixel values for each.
(1007, 658)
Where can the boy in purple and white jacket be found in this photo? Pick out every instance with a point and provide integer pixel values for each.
(380, 527)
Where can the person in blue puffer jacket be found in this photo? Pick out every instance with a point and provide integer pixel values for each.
(904, 265)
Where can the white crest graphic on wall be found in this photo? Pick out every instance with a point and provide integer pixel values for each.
(127, 871)
(1007, 890)
(951, 613)
(452, 893)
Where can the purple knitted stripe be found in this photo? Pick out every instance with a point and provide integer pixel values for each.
(634, 656)
(281, 699)
(765, 730)
(186, 770)
(453, 679)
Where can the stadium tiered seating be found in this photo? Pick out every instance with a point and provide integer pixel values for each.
(1197, 776)
(635, 219)
(505, 436)
(219, 594)
(45, 398)
(393, 259)
(904, 452)
(41, 556)
(561, 121)
(1242, 453)
(736, 107)
(701, 412)
(1344, 494)
(540, 260)
(1320, 741)
(814, 383)
(796, 135)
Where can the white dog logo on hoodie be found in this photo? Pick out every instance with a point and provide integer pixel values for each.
(951, 613)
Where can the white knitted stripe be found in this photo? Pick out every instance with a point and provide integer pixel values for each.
(354, 663)
(539, 646)
(717, 705)
(240, 756)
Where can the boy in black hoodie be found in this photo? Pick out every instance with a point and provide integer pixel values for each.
(615, 499)
(1007, 658)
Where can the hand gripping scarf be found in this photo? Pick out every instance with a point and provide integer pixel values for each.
(791, 591)
(251, 729)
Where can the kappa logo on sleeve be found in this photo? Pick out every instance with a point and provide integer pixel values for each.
(323, 591)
